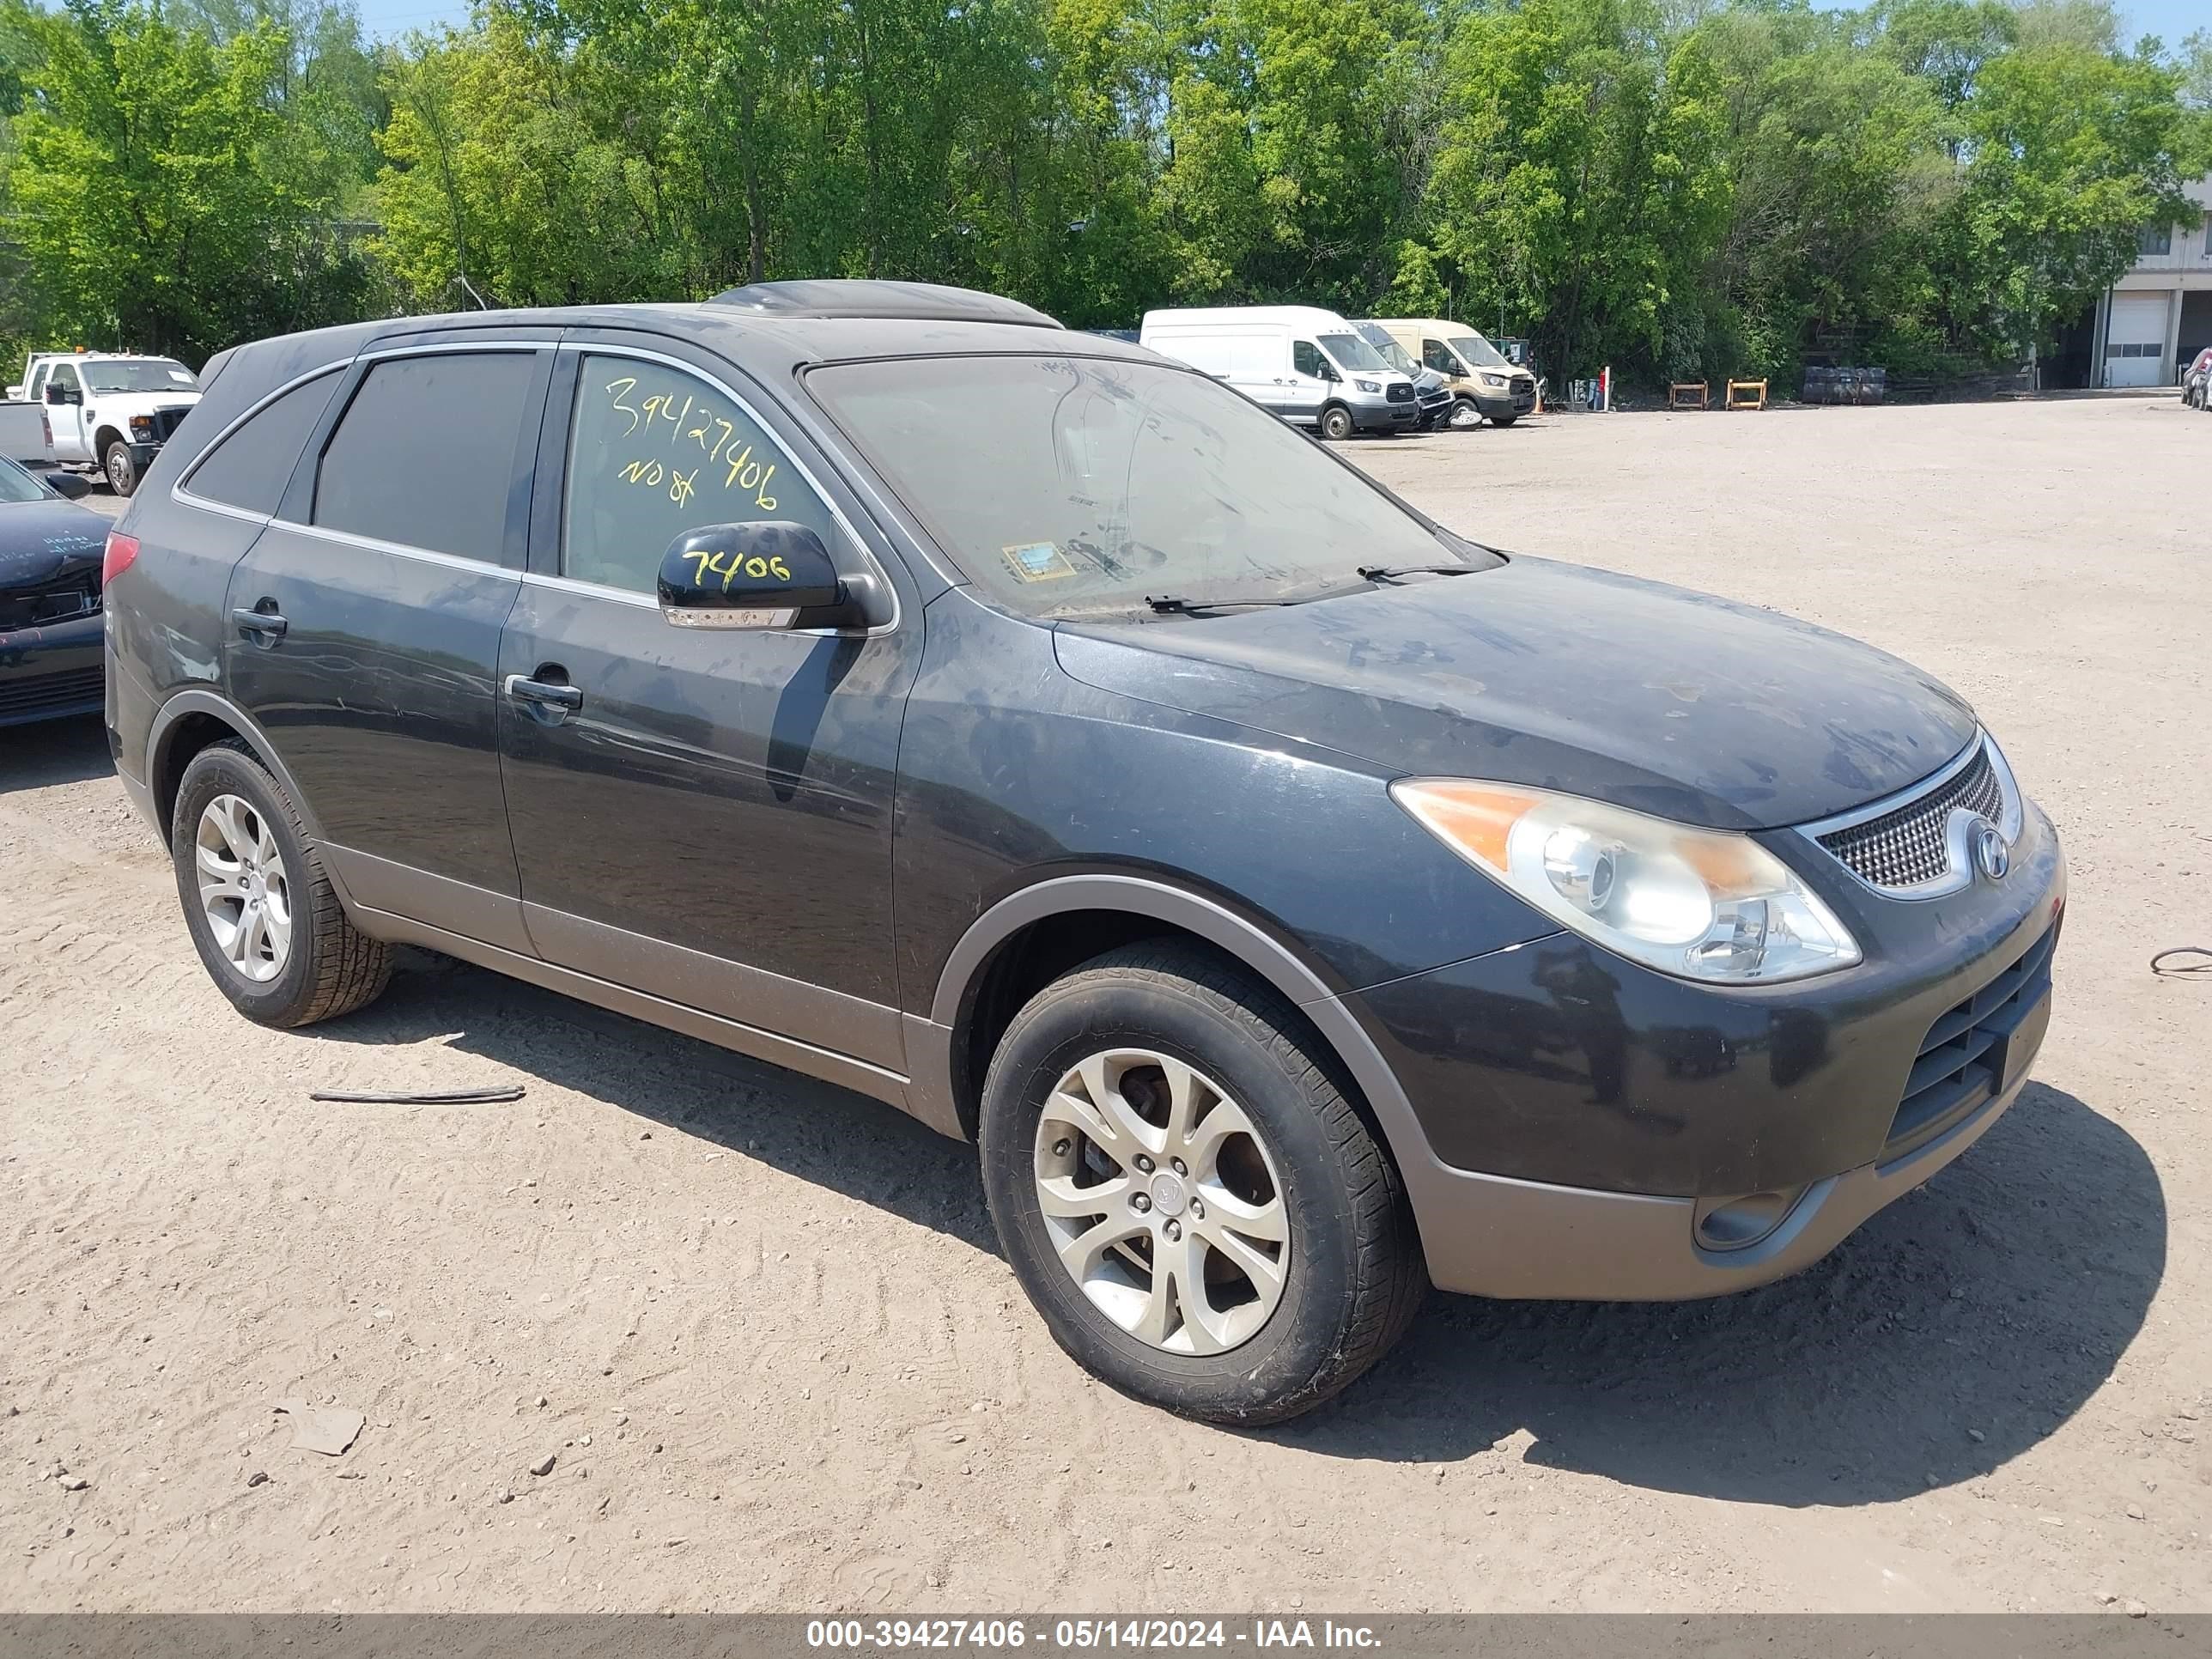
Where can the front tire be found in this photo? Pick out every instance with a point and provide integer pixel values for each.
(1201, 1217)
(121, 468)
(262, 912)
(1336, 423)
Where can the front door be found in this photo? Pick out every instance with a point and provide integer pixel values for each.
(67, 417)
(702, 816)
(1308, 385)
(364, 626)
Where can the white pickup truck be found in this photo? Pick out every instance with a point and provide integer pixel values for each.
(109, 410)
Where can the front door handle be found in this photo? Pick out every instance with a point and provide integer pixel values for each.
(262, 627)
(543, 694)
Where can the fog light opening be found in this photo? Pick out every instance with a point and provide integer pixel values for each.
(1737, 1223)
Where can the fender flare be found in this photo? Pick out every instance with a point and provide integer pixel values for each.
(930, 1047)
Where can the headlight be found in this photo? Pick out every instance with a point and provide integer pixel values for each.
(141, 426)
(1367, 386)
(1701, 904)
(1493, 380)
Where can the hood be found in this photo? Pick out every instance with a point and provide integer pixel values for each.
(1652, 697)
(40, 541)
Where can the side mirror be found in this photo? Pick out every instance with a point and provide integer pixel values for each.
(751, 576)
(57, 394)
(67, 485)
(1328, 372)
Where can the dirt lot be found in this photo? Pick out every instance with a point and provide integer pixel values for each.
(762, 1326)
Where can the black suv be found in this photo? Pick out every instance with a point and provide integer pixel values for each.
(1294, 900)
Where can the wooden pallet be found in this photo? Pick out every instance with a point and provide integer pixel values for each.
(1688, 394)
(1746, 394)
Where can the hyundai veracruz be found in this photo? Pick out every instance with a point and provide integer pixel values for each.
(1293, 900)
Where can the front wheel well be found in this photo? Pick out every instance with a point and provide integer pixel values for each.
(1030, 959)
(102, 440)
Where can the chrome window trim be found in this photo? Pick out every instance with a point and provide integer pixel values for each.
(402, 550)
(1959, 873)
(577, 585)
(181, 490)
(606, 349)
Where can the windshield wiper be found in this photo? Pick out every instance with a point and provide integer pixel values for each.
(1166, 605)
(1391, 573)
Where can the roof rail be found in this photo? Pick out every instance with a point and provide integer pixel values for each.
(909, 301)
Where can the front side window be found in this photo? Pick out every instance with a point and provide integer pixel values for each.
(1071, 485)
(251, 467)
(18, 486)
(425, 453)
(65, 378)
(1305, 358)
(1478, 351)
(146, 374)
(655, 452)
(1439, 355)
(1354, 355)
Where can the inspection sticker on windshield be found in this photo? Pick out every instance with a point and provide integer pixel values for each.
(1036, 562)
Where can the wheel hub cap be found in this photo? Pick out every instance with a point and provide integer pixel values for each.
(1162, 1201)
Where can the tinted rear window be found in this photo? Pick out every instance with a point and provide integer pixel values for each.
(425, 453)
(251, 467)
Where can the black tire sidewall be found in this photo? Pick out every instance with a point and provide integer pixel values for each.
(226, 770)
(1303, 1334)
(1337, 417)
(129, 484)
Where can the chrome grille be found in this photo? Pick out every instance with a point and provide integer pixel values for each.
(1910, 846)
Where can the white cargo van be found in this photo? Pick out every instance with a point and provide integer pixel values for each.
(1306, 364)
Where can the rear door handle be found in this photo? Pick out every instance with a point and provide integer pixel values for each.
(262, 627)
(523, 689)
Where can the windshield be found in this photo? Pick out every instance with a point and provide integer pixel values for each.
(1352, 353)
(1392, 353)
(1067, 485)
(1478, 351)
(140, 375)
(17, 485)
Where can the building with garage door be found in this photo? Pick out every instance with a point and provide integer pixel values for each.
(2159, 314)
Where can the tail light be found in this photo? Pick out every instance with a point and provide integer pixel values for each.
(46, 427)
(122, 553)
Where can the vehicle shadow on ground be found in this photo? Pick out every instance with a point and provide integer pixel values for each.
(49, 752)
(818, 1132)
(1995, 1301)
(1952, 1332)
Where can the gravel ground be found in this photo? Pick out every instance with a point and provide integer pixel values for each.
(760, 1328)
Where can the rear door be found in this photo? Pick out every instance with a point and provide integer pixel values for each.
(709, 820)
(364, 624)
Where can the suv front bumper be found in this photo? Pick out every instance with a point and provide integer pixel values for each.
(1582, 1118)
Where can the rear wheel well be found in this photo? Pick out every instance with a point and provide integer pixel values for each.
(1032, 957)
(184, 738)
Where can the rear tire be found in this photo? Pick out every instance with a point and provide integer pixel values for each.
(121, 468)
(1336, 423)
(1287, 1218)
(260, 907)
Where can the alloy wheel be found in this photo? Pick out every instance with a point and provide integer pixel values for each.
(1465, 415)
(244, 891)
(1162, 1201)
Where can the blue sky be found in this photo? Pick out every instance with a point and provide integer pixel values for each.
(2169, 19)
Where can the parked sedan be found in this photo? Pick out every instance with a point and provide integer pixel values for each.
(1295, 901)
(50, 594)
